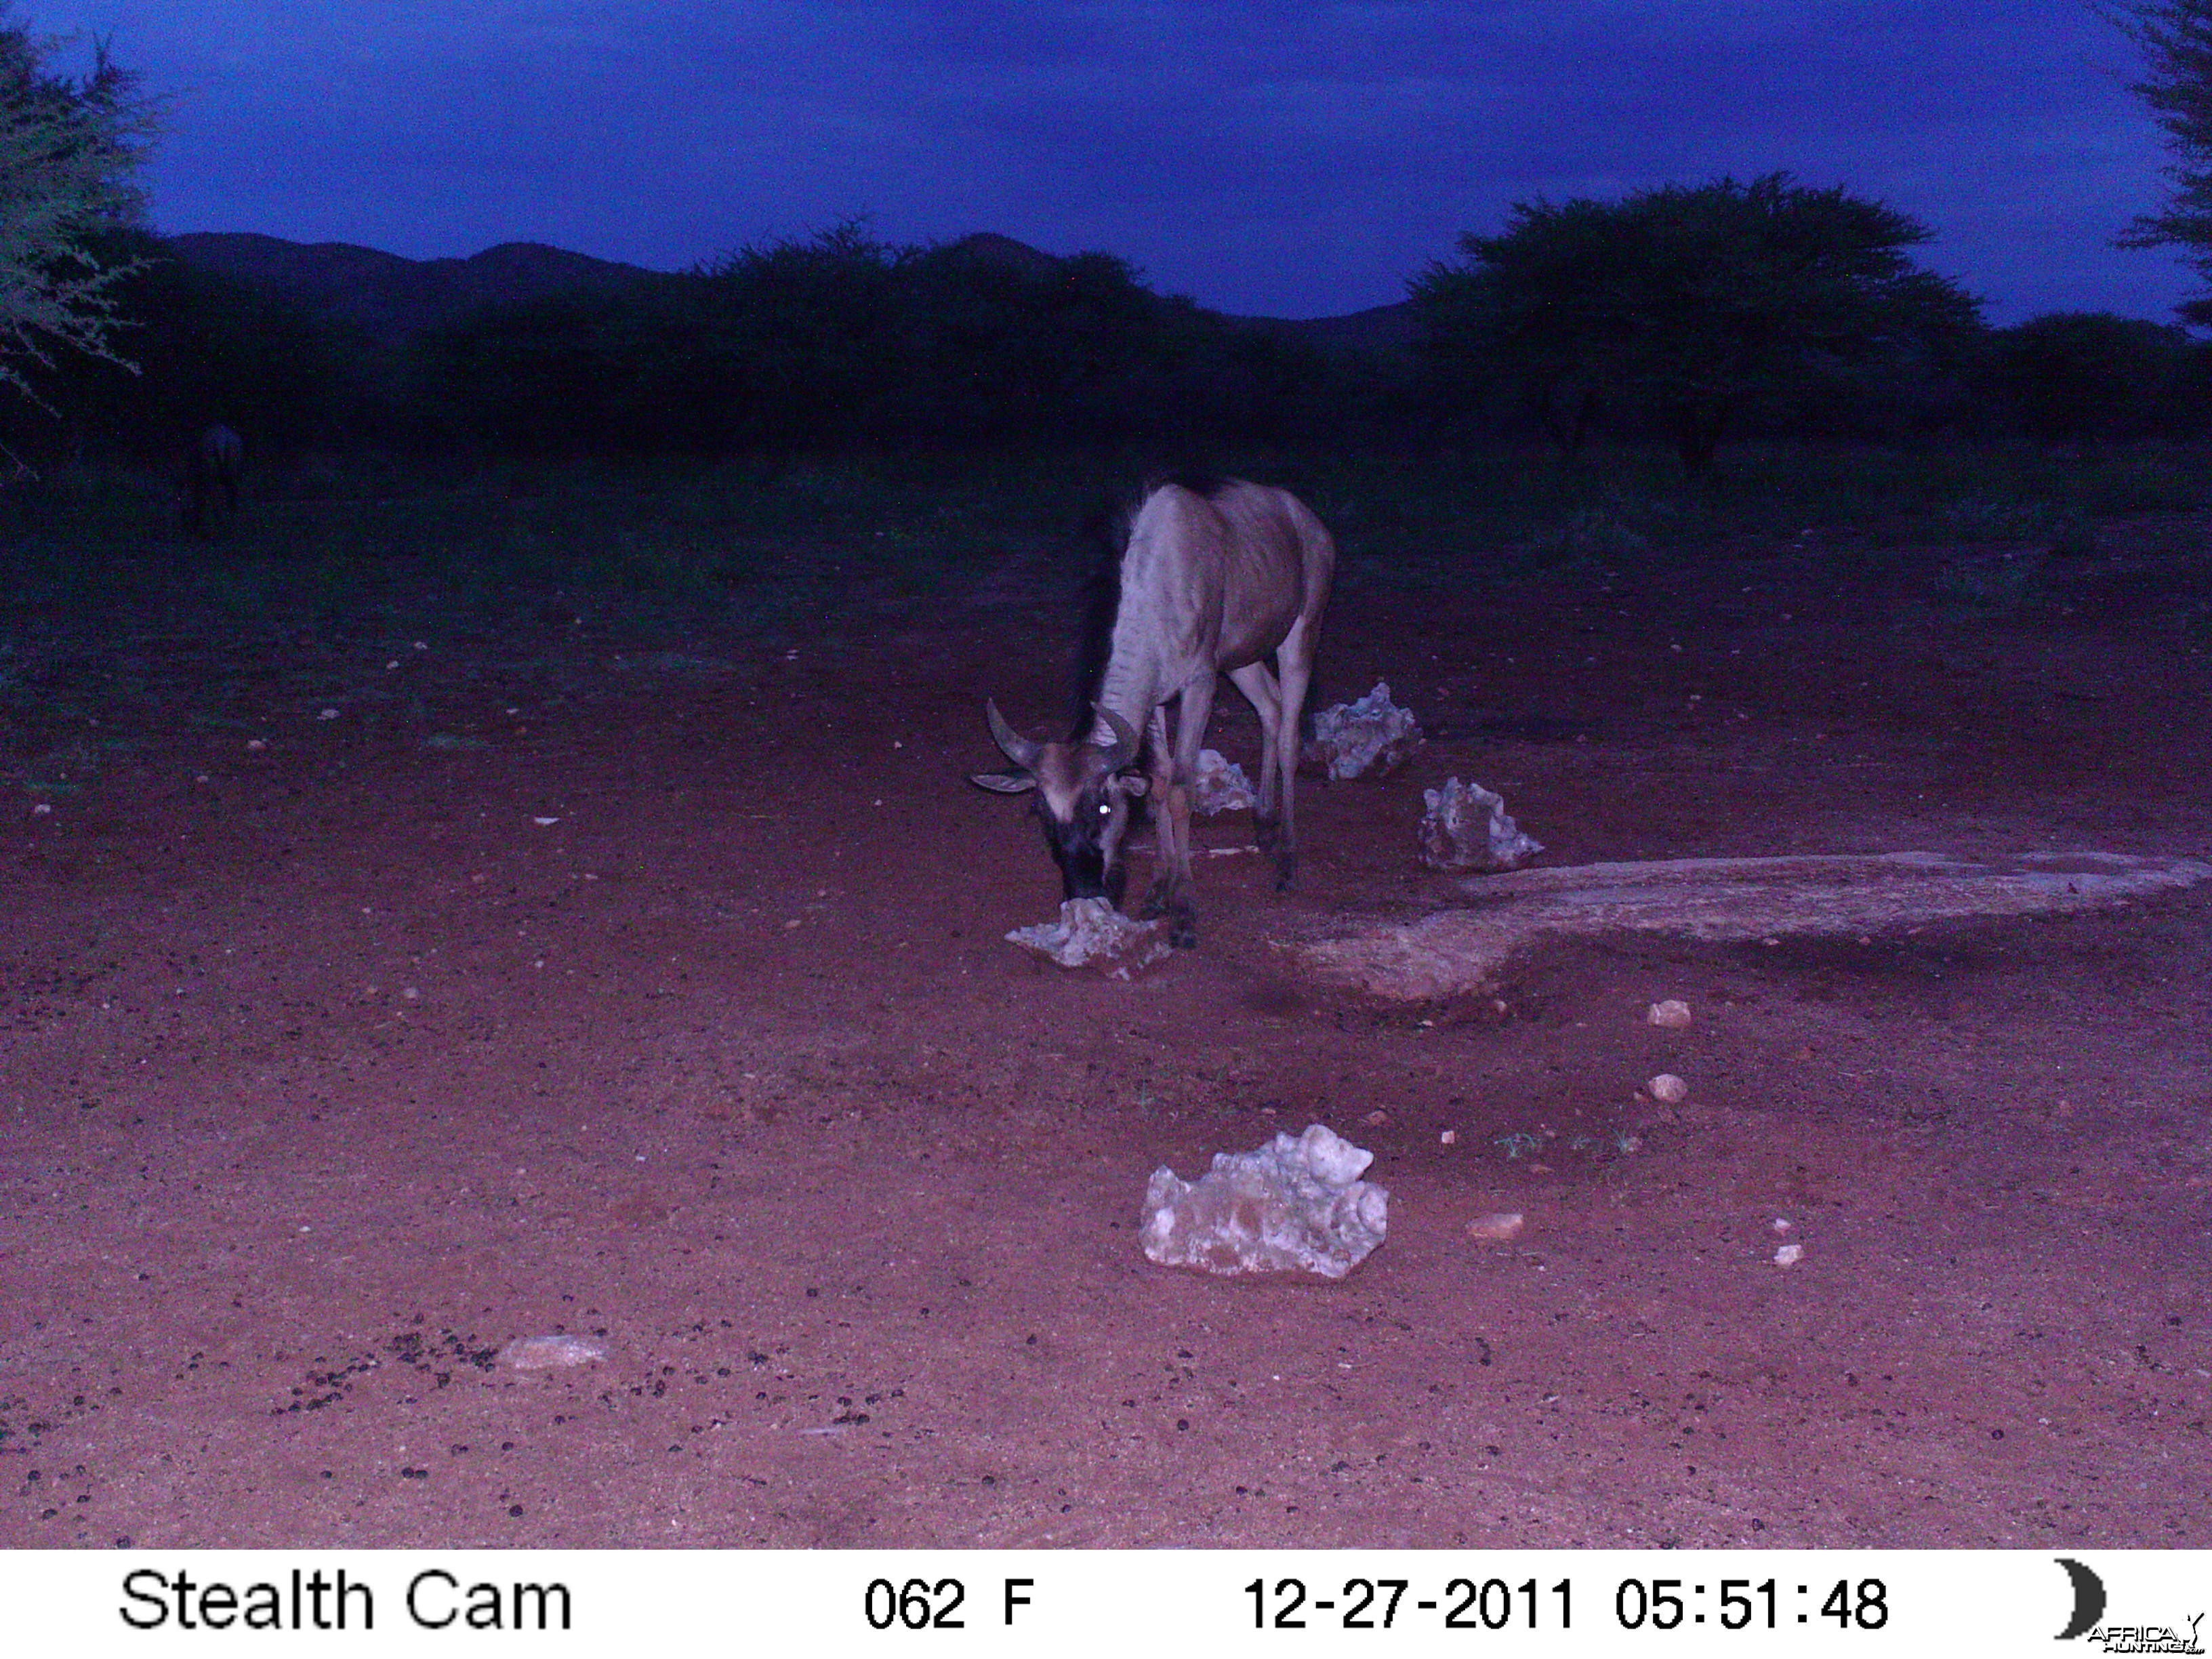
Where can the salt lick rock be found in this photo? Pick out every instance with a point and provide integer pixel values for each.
(1292, 1206)
(1467, 828)
(1371, 735)
(1220, 785)
(1091, 934)
(538, 1353)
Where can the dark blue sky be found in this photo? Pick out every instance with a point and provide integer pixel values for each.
(1289, 159)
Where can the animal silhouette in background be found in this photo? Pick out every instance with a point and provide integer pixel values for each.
(207, 496)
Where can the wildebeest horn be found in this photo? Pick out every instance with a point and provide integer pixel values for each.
(1017, 748)
(1124, 747)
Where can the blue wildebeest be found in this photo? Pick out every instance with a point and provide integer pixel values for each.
(208, 495)
(1208, 576)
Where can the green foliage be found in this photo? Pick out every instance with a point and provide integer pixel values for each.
(839, 342)
(583, 564)
(803, 338)
(77, 269)
(2175, 38)
(70, 152)
(1693, 306)
(206, 348)
(591, 371)
(2091, 375)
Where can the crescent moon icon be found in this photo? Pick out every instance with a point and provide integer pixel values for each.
(2088, 1599)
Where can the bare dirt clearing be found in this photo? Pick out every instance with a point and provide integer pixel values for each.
(654, 992)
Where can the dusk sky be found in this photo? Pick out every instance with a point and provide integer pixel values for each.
(1289, 160)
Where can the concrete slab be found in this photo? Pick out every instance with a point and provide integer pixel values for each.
(1458, 950)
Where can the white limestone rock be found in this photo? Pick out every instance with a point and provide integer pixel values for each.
(1091, 934)
(1371, 735)
(1467, 828)
(1296, 1205)
(1220, 785)
(539, 1353)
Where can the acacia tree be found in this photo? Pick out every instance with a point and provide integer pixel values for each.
(2175, 37)
(70, 147)
(2073, 374)
(1694, 303)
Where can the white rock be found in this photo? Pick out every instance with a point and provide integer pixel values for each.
(1467, 828)
(1672, 1013)
(1091, 932)
(1789, 1255)
(1220, 785)
(538, 1353)
(1668, 1088)
(1372, 734)
(1293, 1205)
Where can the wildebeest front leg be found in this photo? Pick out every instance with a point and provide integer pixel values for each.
(1192, 709)
(1170, 892)
(1163, 775)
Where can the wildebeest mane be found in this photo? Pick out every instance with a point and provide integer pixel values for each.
(1203, 485)
(1105, 539)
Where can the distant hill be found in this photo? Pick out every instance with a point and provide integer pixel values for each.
(1378, 328)
(1003, 249)
(387, 295)
(391, 297)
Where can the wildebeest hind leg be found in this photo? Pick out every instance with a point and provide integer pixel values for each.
(1193, 708)
(1295, 662)
(1258, 684)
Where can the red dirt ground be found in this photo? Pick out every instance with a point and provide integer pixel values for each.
(327, 1068)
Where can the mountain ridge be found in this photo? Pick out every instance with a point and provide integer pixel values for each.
(390, 296)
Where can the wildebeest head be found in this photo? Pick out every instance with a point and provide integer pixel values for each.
(1080, 792)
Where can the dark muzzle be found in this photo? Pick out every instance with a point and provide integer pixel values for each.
(1084, 872)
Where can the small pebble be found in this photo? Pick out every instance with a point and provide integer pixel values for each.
(1668, 1088)
(538, 1353)
(1673, 1013)
(1497, 1227)
(1789, 1255)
